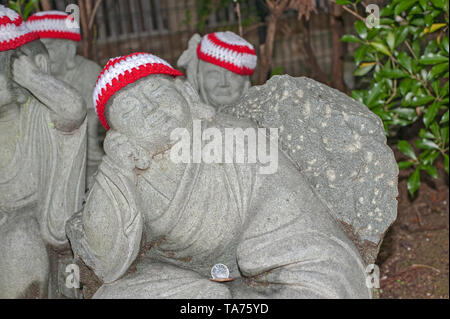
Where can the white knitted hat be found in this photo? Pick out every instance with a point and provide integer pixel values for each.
(54, 25)
(228, 50)
(13, 32)
(122, 71)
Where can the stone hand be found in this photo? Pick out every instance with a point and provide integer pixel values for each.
(123, 152)
(23, 70)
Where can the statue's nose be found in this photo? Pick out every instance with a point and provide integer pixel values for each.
(224, 80)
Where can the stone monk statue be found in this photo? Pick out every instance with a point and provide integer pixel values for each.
(42, 163)
(270, 230)
(219, 67)
(60, 37)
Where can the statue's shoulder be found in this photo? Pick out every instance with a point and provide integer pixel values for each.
(87, 67)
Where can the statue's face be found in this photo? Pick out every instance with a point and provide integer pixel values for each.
(149, 110)
(60, 52)
(219, 86)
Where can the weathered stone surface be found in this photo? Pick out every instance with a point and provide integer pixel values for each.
(274, 234)
(339, 145)
(81, 74)
(42, 170)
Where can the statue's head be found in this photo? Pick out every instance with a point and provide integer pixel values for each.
(140, 96)
(60, 35)
(219, 65)
(16, 39)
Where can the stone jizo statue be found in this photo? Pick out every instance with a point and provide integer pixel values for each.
(271, 231)
(42, 164)
(60, 37)
(219, 67)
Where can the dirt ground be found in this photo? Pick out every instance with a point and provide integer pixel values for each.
(414, 256)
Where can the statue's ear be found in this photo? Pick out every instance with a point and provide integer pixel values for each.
(71, 52)
(41, 61)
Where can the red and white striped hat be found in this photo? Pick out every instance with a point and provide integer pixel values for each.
(228, 50)
(54, 25)
(121, 71)
(13, 32)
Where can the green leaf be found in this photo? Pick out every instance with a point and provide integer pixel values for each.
(438, 3)
(406, 149)
(446, 163)
(28, 8)
(426, 144)
(374, 94)
(405, 164)
(444, 135)
(364, 69)
(360, 54)
(414, 182)
(343, 2)
(444, 118)
(431, 58)
(431, 170)
(434, 127)
(428, 157)
(351, 38)
(438, 69)
(403, 6)
(431, 113)
(405, 86)
(405, 61)
(390, 40)
(444, 44)
(406, 113)
(361, 29)
(394, 73)
(421, 100)
(423, 133)
(380, 47)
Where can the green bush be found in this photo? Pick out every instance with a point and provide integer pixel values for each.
(24, 7)
(406, 59)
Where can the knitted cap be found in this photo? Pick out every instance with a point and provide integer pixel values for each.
(54, 25)
(13, 32)
(228, 50)
(121, 71)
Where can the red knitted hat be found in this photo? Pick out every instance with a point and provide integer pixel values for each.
(13, 32)
(228, 50)
(121, 71)
(54, 25)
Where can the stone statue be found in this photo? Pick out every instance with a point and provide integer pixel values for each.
(60, 39)
(219, 67)
(338, 145)
(272, 232)
(42, 164)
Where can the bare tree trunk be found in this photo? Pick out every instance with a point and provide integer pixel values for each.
(337, 31)
(316, 70)
(266, 50)
(46, 6)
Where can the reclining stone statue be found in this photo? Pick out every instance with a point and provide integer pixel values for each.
(42, 164)
(60, 38)
(219, 67)
(275, 235)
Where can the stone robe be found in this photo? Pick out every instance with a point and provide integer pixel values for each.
(39, 190)
(273, 233)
